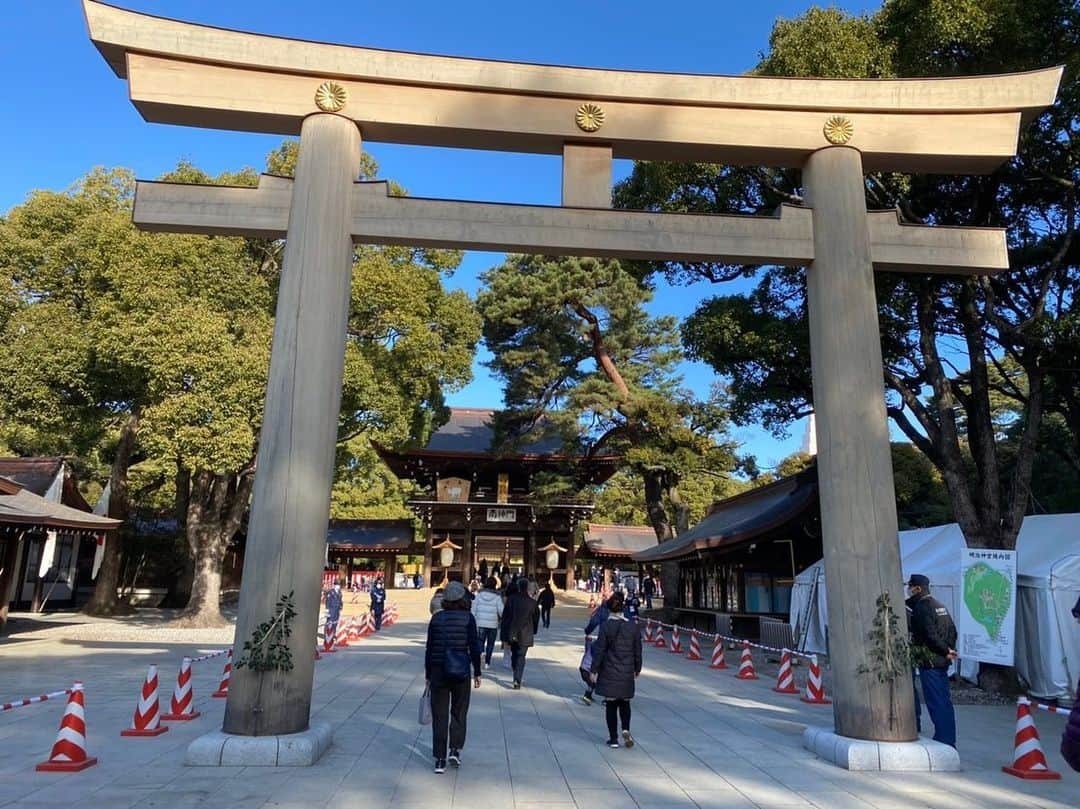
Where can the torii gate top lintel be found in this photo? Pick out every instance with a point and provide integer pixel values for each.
(198, 75)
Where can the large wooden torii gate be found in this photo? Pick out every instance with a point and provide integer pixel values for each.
(330, 95)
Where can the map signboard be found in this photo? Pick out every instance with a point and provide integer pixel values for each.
(987, 620)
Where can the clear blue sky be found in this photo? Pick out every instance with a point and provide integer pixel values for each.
(63, 111)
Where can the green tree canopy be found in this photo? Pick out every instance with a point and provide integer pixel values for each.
(581, 358)
(941, 336)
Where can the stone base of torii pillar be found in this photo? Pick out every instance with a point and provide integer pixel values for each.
(921, 755)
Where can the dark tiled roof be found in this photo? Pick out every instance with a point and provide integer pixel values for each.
(34, 474)
(618, 540)
(470, 431)
(741, 518)
(377, 535)
(25, 508)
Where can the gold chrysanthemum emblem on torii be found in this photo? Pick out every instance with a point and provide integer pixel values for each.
(589, 117)
(331, 96)
(838, 129)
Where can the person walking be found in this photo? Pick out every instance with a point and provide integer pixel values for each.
(520, 621)
(378, 602)
(631, 603)
(534, 588)
(546, 601)
(596, 620)
(487, 609)
(616, 665)
(334, 603)
(648, 587)
(933, 634)
(417, 580)
(453, 648)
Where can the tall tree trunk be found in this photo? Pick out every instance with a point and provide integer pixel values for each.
(682, 510)
(654, 504)
(104, 600)
(216, 506)
(180, 592)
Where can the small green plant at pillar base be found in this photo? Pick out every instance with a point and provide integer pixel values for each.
(889, 649)
(268, 648)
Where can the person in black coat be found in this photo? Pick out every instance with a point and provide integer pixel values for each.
(616, 664)
(547, 603)
(453, 647)
(520, 621)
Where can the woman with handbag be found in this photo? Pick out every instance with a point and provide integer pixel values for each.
(616, 664)
(453, 648)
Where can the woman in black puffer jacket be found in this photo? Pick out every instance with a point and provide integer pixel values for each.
(616, 663)
(453, 650)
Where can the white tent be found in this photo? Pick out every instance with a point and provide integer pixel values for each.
(1048, 585)
(934, 552)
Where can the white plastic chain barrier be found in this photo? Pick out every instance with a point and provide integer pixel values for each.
(8, 706)
(730, 639)
(1043, 707)
(200, 659)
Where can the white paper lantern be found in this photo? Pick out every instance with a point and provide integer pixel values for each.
(446, 556)
(552, 559)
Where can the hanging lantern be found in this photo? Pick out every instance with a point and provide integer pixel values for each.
(446, 550)
(551, 558)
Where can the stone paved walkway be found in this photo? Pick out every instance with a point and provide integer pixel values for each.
(704, 739)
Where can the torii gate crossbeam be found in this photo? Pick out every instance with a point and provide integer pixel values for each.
(835, 130)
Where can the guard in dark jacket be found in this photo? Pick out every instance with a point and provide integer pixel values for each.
(934, 634)
(378, 602)
(616, 663)
(453, 648)
(520, 621)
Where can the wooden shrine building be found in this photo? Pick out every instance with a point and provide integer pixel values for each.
(480, 504)
(737, 566)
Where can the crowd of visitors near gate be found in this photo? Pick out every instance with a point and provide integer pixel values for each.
(510, 609)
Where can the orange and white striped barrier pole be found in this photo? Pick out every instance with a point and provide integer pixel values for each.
(1029, 761)
(785, 678)
(676, 644)
(695, 647)
(182, 706)
(341, 639)
(147, 719)
(226, 675)
(717, 661)
(815, 689)
(746, 664)
(69, 750)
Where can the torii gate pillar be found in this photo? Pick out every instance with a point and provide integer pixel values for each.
(291, 497)
(855, 478)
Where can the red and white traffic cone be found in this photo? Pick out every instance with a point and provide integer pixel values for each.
(676, 645)
(718, 654)
(1029, 761)
(341, 639)
(695, 647)
(815, 690)
(659, 642)
(182, 706)
(354, 632)
(785, 678)
(226, 675)
(147, 720)
(69, 750)
(367, 624)
(648, 631)
(328, 637)
(746, 664)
